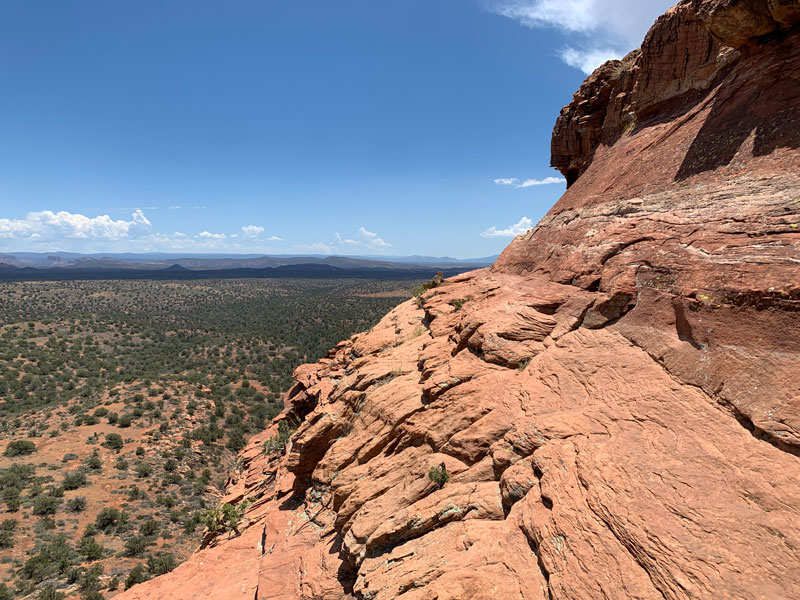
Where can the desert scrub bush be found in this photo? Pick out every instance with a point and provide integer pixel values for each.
(439, 475)
(94, 462)
(50, 593)
(7, 528)
(45, 505)
(90, 549)
(225, 517)
(76, 504)
(136, 575)
(135, 546)
(161, 563)
(113, 441)
(54, 558)
(20, 448)
(109, 518)
(277, 443)
(143, 469)
(5, 593)
(74, 479)
(429, 285)
(149, 528)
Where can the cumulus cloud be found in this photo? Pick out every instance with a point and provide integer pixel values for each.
(274, 238)
(521, 226)
(588, 59)
(514, 182)
(365, 239)
(252, 231)
(598, 29)
(207, 235)
(372, 238)
(345, 241)
(545, 181)
(49, 225)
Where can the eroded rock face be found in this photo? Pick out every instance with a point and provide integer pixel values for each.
(616, 401)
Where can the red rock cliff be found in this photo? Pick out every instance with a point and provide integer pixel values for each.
(617, 400)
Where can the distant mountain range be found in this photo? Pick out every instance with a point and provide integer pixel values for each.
(66, 265)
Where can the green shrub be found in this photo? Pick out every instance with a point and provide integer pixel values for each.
(428, 285)
(20, 448)
(5, 593)
(277, 443)
(143, 469)
(108, 518)
(135, 546)
(149, 528)
(225, 517)
(89, 548)
(50, 593)
(6, 538)
(45, 505)
(113, 441)
(76, 504)
(439, 475)
(74, 479)
(137, 575)
(161, 563)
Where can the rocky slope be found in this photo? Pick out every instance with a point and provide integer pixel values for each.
(617, 400)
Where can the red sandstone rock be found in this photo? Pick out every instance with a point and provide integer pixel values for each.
(617, 401)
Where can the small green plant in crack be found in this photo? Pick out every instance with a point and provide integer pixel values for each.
(428, 285)
(458, 303)
(524, 363)
(439, 475)
(225, 517)
(277, 443)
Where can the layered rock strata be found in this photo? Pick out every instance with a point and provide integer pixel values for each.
(616, 401)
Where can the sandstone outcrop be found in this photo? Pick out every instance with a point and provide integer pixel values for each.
(616, 401)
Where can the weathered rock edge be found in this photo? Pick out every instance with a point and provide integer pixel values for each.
(617, 399)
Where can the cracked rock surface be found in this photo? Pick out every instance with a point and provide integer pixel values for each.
(616, 401)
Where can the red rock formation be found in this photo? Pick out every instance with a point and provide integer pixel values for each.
(617, 400)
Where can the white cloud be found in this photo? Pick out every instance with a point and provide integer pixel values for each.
(48, 225)
(604, 28)
(372, 238)
(252, 231)
(587, 59)
(341, 240)
(523, 225)
(513, 181)
(206, 235)
(545, 181)
(274, 238)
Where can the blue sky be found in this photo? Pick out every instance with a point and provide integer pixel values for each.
(353, 127)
